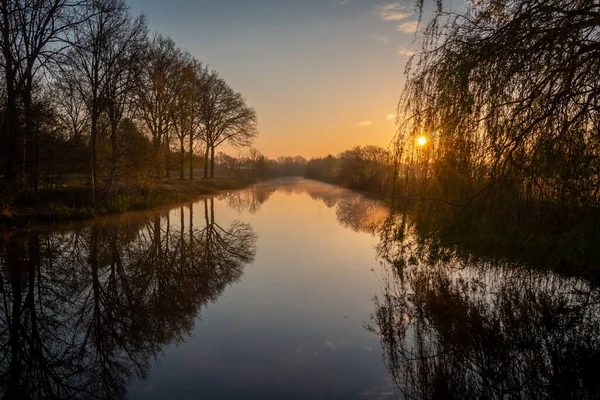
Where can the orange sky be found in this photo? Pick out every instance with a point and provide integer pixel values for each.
(323, 75)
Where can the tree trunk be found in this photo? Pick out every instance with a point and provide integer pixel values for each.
(93, 157)
(212, 162)
(182, 158)
(29, 161)
(191, 156)
(115, 157)
(11, 112)
(157, 158)
(167, 156)
(206, 162)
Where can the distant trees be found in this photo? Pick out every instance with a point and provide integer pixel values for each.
(82, 79)
(366, 168)
(255, 166)
(323, 169)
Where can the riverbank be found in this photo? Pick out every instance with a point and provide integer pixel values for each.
(70, 203)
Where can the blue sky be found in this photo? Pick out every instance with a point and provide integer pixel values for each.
(323, 75)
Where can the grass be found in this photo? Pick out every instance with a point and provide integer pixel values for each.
(71, 202)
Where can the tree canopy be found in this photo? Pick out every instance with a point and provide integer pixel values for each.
(508, 93)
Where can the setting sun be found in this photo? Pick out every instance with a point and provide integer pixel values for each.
(422, 141)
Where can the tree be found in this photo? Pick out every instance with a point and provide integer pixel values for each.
(102, 65)
(224, 116)
(158, 94)
(508, 93)
(229, 163)
(124, 59)
(183, 114)
(364, 168)
(31, 33)
(70, 107)
(256, 162)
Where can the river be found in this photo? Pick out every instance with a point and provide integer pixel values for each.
(279, 291)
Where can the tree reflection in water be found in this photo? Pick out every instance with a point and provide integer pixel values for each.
(249, 200)
(83, 311)
(476, 329)
(353, 210)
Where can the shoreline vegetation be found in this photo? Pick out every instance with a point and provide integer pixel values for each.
(494, 225)
(71, 203)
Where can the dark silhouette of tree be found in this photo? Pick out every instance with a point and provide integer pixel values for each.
(507, 93)
(83, 85)
(31, 32)
(158, 93)
(125, 57)
(104, 65)
(71, 107)
(224, 116)
(185, 119)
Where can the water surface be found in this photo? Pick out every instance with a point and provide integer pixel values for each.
(255, 294)
(286, 290)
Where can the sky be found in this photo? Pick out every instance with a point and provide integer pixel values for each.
(323, 75)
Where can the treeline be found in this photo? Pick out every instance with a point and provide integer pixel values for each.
(86, 90)
(367, 168)
(255, 166)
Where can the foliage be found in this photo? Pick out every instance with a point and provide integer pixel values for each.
(507, 93)
(366, 168)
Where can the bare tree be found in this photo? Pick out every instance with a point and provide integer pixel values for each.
(158, 93)
(31, 34)
(103, 65)
(71, 107)
(124, 60)
(184, 118)
(224, 116)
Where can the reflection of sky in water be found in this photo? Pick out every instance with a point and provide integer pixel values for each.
(293, 327)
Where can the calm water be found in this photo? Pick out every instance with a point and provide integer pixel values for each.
(282, 291)
(256, 294)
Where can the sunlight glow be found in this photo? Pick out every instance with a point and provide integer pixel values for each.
(422, 141)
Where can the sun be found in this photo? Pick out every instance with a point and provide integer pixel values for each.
(422, 141)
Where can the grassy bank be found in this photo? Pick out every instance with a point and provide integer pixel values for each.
(71, 203)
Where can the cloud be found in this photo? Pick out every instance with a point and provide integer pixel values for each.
(403, 51)
(391, 116)
(381, 38)
(392, 12)
(364, 124)
(408, 27)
